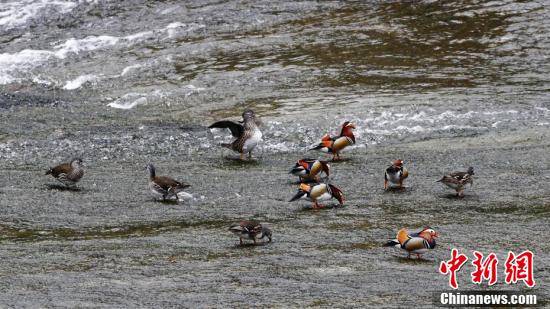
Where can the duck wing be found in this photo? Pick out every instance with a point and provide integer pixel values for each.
(415, 243)
(237, 129)
(64, 168)
(449, 179)
(167, 183)
(250, 227)
(459, 177)
(326, 144)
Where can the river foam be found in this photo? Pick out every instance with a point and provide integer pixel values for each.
(13, 66)
(19, 13)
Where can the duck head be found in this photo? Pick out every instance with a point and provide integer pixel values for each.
(302, 163)
(304, 189)
(347, 130)
(266, 232)
(299, 168)
(249, 115)
(76, 163)
(428, 233)
(397, 163)
(470, 170)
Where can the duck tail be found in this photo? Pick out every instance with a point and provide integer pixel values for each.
(236, 228)
(392, 243)
(297, 196)
(48, 172)
(324, 146)
(317, 147)
(183, 186)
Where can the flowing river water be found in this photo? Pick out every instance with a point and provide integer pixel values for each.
(441, 85)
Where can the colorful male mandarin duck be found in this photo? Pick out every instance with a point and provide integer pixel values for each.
(457, 180)
(68, 173)
(318, 192)
(251, 230)
(395, 174)
(248, 134)
(309, 169)
(416, 243)
(335, 144)
(163, 186)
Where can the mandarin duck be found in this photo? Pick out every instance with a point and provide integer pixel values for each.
(309, 169)
(68, 173)
(335, 144)
(416, 243)
(163, 186)
(251, 230)
(395, 174)
(318, 192)
(458, 180)
(248, 133)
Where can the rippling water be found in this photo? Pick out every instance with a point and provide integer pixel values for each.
(282, 57)
(120, 83)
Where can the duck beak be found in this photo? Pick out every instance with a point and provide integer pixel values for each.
(351, 125)
(298, 196)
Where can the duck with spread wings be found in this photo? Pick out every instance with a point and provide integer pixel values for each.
(247, 134)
